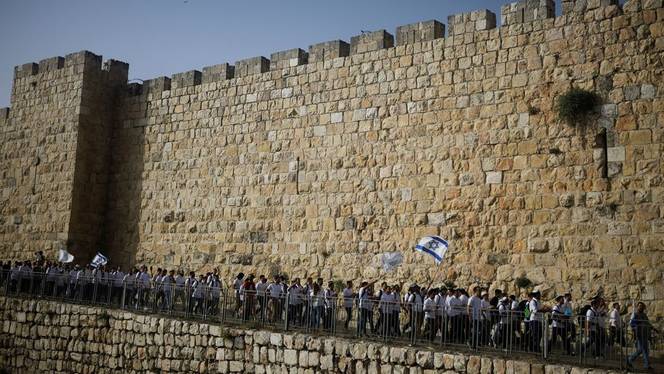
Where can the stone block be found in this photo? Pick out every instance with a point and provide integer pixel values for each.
(328, 50)
(218, 72)
(371, 41)
(616, 154)
(289, 58)
(250, 66)
(157, 85)
(527, 11)
(494, 177)
(290, 357)
(420, 32)
(461, 23)
(51, 64)
(4, 114)
(186, 79)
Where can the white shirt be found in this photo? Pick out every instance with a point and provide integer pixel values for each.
(396, 306)
(535, 315)
(330, 298)
(260, 288)
(118, 277)
(386, 301)
(363, 296)
(274, 289)
(439, 300)
(515, 305)
(416, 301)
(454, 306)
(504, 313)
(464, 301)
(179, 281)
(348, 297)
(475, 306)
(429, 308)
(556, 313)
(166, 283)
(129, 279)
(237, 283)
(614, 318)
(294, 293)
(486, 305)
(215, 289)
(143, 279)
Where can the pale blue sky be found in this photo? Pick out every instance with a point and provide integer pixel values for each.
(162, 37)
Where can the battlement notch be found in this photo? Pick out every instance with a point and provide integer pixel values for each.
(288, 58)
(478, 20)
(371, 41)
(253, 65)
(328, 50)
(4, 114)
(218, 72)
(420, 32)
(527, 11)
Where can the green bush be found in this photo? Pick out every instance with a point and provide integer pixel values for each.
(576, 105)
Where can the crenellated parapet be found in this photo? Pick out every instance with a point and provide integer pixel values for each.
(420, 32)
(83, 60)
(253, 65)
(218, 72)
(527, 11)
(328, 50)
(371, 41)
(186, 79)
(581, 6)
(289, 58)
(463, 23)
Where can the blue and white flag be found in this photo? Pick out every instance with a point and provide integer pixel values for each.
(65, 257)
(99, 260)
(434, 246)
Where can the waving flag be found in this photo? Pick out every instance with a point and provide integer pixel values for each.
(391, 260)
(65, 257)
(99, 260)
(434, 246)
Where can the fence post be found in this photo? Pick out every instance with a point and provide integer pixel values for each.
(545, 334)
(287, 311)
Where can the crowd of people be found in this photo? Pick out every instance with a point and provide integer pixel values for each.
(448, 313)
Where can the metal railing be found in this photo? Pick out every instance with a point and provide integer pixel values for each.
(563, 339)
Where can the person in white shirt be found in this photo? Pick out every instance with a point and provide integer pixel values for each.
(349, 298)
(385, 303)
(275, 291)
(142, 287)
(295, 302)
(430, 315)
(503, 335)
(237, 284)
(117, 277)
(167, 280)
(330, 305)
(453, 314)
(616, 326)
(559, 325)
(189, 286)
(179, 289)
(487, 315)
(365, 306)
(439, 300)
(261, 295)
(465, 319)
(129, 284)
(198, 294)
(396, 310)
(474, 311)
(535, 322)
(595, 327)
(214, 285)
(415, 307)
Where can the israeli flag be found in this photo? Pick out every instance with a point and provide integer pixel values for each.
(434, 246)
(65, 257)
(99, 260)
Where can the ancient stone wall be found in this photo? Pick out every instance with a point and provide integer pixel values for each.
(40, 336)
(53, 134)
(315, 163)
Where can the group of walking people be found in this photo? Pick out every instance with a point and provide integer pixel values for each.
(445, 313)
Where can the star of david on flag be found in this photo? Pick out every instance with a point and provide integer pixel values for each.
(434, 246)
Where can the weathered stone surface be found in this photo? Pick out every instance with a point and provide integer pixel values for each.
(300, 169)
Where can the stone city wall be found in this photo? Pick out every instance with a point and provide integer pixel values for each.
(42, 336)
(316, 162)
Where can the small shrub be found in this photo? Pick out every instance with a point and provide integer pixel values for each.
(523, 282)
(576, 105)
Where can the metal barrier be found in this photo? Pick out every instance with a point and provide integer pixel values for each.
(580, 340)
